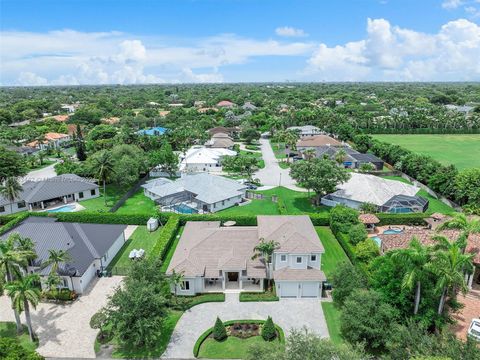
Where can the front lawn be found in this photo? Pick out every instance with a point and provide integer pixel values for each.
(140, 239)
(231, 348)
(332, 317)
(256, 207)
(278, 150)
(138, 204)
(296, 202)
(334, 253)
(269, 295)
(256, 154)
(114, 193)
(9, 330)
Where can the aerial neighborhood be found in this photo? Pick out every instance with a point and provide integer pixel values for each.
(165, 196)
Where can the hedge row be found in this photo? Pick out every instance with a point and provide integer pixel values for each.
(13, 222)
(166, 237)
(98, 217)
(241, 220)
(344, 242)
(281, 206)
(402, 219)
(206, 334)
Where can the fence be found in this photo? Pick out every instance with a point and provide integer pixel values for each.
(129, 193)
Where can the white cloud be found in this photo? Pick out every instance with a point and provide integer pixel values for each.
(289, 31)
(392, 53)
(452, 4)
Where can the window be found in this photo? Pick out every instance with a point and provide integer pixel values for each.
(80, 194)
(92, 192)
(223, 202)
(283, 257)
(313, 258)
(299, 259)
(2, 208)
(21, 204)
(185, 285)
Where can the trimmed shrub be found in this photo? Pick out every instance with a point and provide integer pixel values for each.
(166, 237)
(366, 250)
(281, 206)
(268, 330)
(402, 219)
(98, 218)
(14, 221)
(219, 330)
(62, 295)
(347, 247)
(357, 233)
(11, 349)
(241, 220)
(320, 219)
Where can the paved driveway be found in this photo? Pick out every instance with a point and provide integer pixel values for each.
(287, 313)
(64, 330)
(272, 174)
(41, 174)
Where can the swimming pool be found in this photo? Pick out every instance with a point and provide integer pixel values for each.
(377, 240)
(392, 231)
(65, 208)
(184, 209)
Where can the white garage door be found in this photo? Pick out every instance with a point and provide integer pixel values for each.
(310, 289)
(289, 289)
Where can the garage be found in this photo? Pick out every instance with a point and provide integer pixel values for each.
(310, 289)
(288, 289)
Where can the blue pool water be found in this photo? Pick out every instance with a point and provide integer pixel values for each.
(184, 209)
(377, 240)
(66, 208)
(392, 231)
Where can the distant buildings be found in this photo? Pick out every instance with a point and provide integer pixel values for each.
(306, 130)
(51, 140)
(203, 159)
(220, 140)
(226, 104)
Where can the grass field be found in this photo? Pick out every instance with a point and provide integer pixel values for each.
(460, 150)
(114, 193)
(334, 253)
(332, 316)
(231, 348)
(296, 202)
(138, 204)
(256, 207)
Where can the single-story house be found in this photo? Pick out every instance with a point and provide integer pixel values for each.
(154, 131)
(194, 193)
(220, 140)
(204, 110)
(318, 141)
(51, 140)
(226, 104)
(306, 130)
(203, 159)
(42, 194)
(91, 247)
(388, 195)
(248, 106)
(214, 258)
(61, 118)
(353, 159)
(230, 131)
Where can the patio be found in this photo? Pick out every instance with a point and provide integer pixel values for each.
(216, 285)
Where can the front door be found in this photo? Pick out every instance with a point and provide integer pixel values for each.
(232, 276)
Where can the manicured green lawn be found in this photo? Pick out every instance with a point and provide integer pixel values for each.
(257, 154)
(278, 150)
(332, 316)
(434, 205)
(140, 239)
(333, 251)
(114, 193)
(296, 202)
(460, 150)
(138, 204)
(231, 348)
(9, 330)
(159, 349)
(171, 251)
(256, 207)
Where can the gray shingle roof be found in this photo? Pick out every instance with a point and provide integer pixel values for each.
(84, 242)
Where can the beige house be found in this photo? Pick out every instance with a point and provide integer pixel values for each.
(214, 258)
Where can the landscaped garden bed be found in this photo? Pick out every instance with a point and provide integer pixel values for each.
(268, 295)
(239, 335)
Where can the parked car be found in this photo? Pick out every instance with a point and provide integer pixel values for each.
(251, 186)
(474, 329)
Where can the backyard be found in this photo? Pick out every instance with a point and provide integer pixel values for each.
(460, 150)
(137, 204)
(333, 251)
(114, 193)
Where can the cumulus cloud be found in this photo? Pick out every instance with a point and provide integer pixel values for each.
(393, 53)
(289, 31)
(452, 4)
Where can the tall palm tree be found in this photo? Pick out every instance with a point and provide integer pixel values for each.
(26, 244)
(415, 258)
(461, 222)
(104, 169)
(449, 267)
(11, 190)
(55, 258)
(265, 249)
(11, 259)
(25, 292)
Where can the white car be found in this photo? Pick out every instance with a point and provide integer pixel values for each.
(474, 329)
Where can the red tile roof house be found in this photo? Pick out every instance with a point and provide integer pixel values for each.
(52, 140)
(225, 104)
(473, 247)
(214, 258)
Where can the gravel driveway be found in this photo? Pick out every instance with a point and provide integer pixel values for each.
(287, 313)
(272, 174)
(64, 330)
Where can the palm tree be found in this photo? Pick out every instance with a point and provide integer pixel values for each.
(53, 281)
(449, 267)
(460, 222)
(309, 154)
(25, 292)
(104, 169)
(11, 190)
(265, 249)
(340, 156)
(415, 257)
(55, 258)
(26, 244)
(11, 259)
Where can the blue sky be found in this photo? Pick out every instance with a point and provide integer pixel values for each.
(106, 41)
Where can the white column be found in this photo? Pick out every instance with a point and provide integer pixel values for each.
(240, 282)
(223, 280)
(470, 280)
(30, 207)
(65, 199)
(42, 205)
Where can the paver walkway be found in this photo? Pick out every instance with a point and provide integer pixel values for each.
(272, 174)
(64, 330)
(471, 310)
(287, 313)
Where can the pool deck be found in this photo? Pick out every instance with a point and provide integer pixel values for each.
(76, 207)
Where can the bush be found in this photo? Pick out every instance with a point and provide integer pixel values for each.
(10, 349)
(166, 237)
(13, 221)
(98, 218)
(357, 233)
(366, 250)
(345, 279)
(241, 220)
(268, 330)
(402, 219)
(347, 247)
(62, 295)
(342, 218)
(219, 331)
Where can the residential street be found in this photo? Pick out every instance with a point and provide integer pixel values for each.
(40, 174)
(272, 174)
(287, 313)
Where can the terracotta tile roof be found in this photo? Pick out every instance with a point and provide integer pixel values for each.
(368, 219)
(318, 140)
(54, 136)
(425, 236)
(111, 120)
(473, 246)
(61, 118)
(163, 113)
(225, 103)
(299, 274)
(204, 110)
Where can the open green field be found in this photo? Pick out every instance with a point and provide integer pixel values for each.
(461, 150)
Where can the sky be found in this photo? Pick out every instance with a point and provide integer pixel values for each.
(72, 42)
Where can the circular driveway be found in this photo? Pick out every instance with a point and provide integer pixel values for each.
(287, 313)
